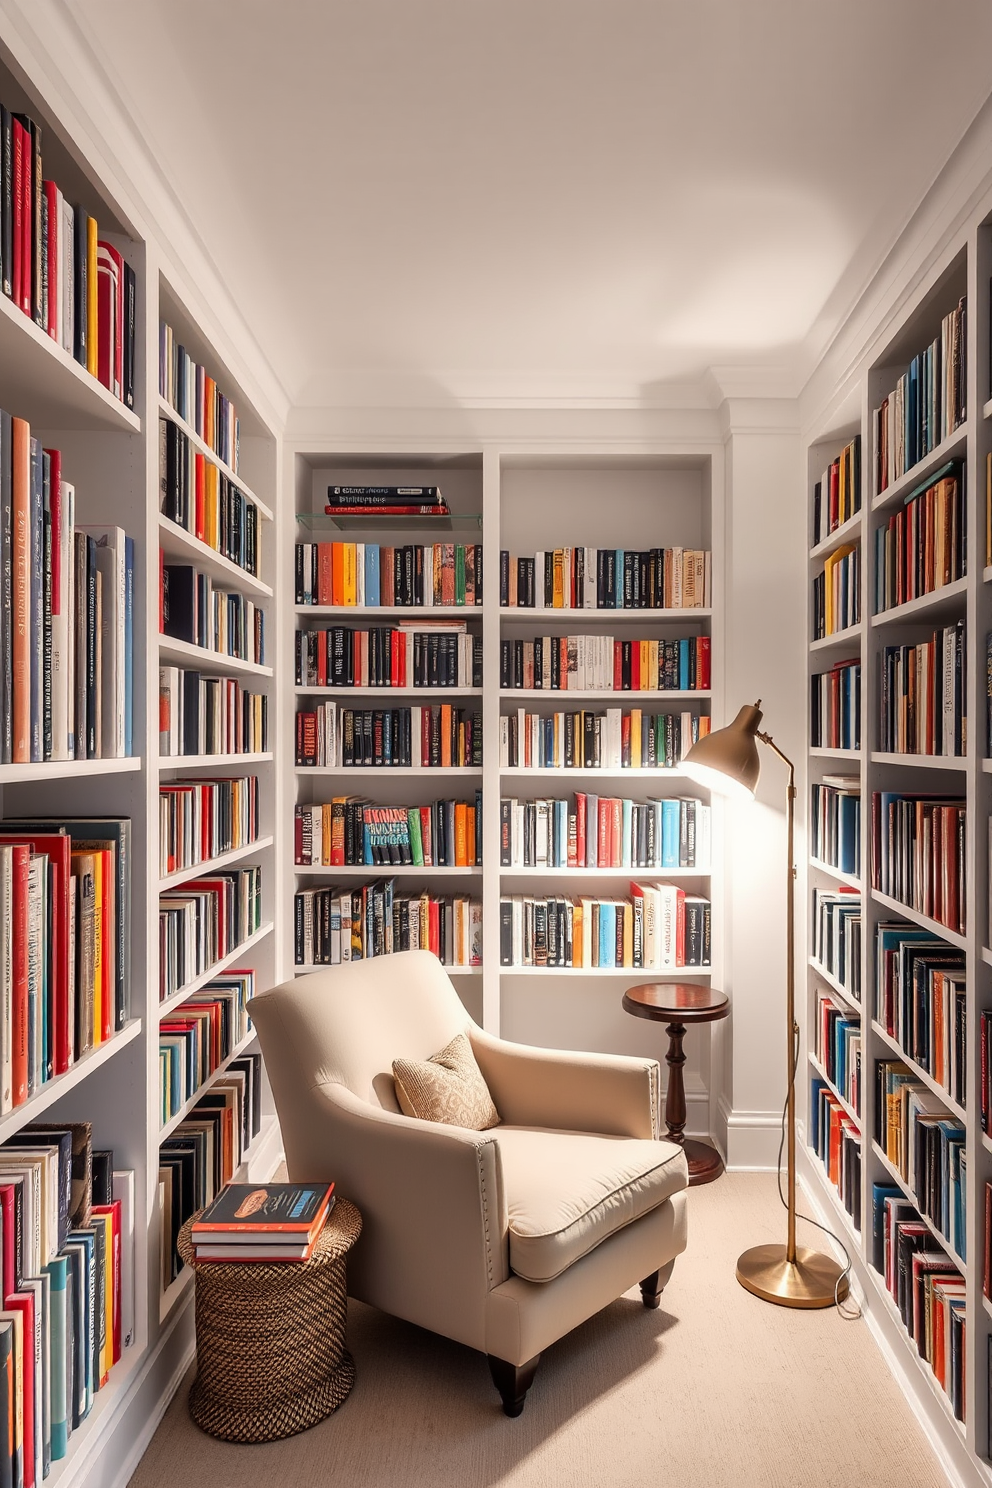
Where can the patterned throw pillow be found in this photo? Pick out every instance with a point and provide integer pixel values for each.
(448, 1088)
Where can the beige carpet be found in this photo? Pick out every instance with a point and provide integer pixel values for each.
(714, 1390)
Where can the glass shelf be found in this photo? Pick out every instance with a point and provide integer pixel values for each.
(453, 522)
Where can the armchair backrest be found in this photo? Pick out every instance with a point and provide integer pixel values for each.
(346, 1024)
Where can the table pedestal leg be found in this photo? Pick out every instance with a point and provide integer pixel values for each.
(704, 1162)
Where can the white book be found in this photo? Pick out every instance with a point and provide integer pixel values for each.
(111, 567)
(7, 975)
(517, 928)
(67, 273)
(360, 575)
(123, 1192)
(63, 628)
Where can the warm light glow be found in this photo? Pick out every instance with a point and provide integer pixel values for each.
(716, 780)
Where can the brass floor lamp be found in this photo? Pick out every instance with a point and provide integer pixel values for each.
(793, 1276)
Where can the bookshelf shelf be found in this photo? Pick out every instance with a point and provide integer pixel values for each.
(68, 769)
(817, 752)
(169, 763)
(986, 955)
(921, 1368)
(547, 772)
(946, 601)
(950, 448)
(921, 761)
(831, 981)
(632, 973)
(845, 1104)
(214, 865)
(937, 1089)
(231, 959)
(166, 410)
(382, 870)
(853, 880)
(393, 772)
(581, 873)
(182, 546)
(606, 617)
(602, 695)
(842, 534)
(426, 613)
(201, 1090)
(55, 1089)
(48, 387)
(893, 1172)
(182, 653)
(452, 971)
(453, 522)
(838, 638)
(934, 926)
(437, 694)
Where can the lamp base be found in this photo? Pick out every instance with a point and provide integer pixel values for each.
(808, 1281)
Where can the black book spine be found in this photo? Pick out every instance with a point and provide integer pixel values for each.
(130, 314)
(506, 934)
(504, 579)
(549, 578)
(628, 580)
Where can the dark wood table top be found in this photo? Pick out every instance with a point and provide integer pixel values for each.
(676, 1002)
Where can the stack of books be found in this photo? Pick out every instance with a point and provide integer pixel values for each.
(277, 1222)
(386, 501)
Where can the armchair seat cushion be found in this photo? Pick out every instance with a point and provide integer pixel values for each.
(567, 1191)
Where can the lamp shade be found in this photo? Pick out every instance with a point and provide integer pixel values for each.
(727, 760)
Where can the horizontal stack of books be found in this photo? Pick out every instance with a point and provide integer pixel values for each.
(926, 405)
(434, 653)
(67, 1221)
(422, 575)
(209, 715)
(335, 925)
(349, 830)
(55, 267)
(578, 663)
(252, 1222)
(589, 831)
(197, 495)
(610, 739)
(421, 738)
(386, 501)
(606, 579)
(195, 396)
(837, 494)
(66, 615)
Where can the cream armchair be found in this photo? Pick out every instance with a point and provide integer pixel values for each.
(502, 1239)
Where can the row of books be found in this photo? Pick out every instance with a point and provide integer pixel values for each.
(836, 936)
(837, 592)
(588, 831)
(835, 823)
(271, 1223)
(67, 1220)
(349, 830)
(925, 1145)
(206, 1149)
(193, 609)
(606, 579)
(198, 714)
(66, 615)
(836, 1140)
(926, 1286)
(926, 405)
(197, 1036)
(920, 1001)
(922, 695)
(55, 267)
(201, 819)
(918, 854)
(64, 946)
(837, 494)
(421, 575)
(386, 501)
(195, 396)
(203, 921)
(579, 663)
(837, 1041)
(985, 1070)
(435, 737)
(607, 739)
(335, 925)
(922, 546)
(197, 495)
(659, 928)
(835, 707)
(410, 654)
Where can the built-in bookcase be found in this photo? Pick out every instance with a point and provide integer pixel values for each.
(898, 709)
(522, 505)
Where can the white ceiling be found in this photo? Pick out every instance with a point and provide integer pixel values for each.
(431, 201)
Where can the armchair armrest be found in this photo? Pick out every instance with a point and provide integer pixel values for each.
(611, 1093)
(434, 1222)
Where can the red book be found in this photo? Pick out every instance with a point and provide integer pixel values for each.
(387, 576)
(617, 666)
(603, 834)
(9, 1232)
(55, 459)
(21, 275)
(635, 666)
(58, 846)
(703, 662)
(199, 481)
(433, 927)
(427, 840)
(21, 588)
(108, 289)
(54, 289)
(19, 979)
(23, 1302)
(395, 636)
(324, 578)
(616, 833)
(425, 737)
(580, 829)
(423, 510)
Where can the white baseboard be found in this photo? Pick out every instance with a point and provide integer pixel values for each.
(750, 1139)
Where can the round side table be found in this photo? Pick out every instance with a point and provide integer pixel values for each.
(270, 1354)
(679, 1004)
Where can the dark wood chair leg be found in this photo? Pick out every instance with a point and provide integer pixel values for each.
(651, 1290)
(512, 1381)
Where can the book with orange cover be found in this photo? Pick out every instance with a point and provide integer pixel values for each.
(282, 1211)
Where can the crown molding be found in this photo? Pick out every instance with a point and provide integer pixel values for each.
(50, 48)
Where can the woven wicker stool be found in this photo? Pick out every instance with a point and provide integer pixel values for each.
(270, 1351)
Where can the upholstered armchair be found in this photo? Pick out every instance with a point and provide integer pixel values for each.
(503, 1239)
